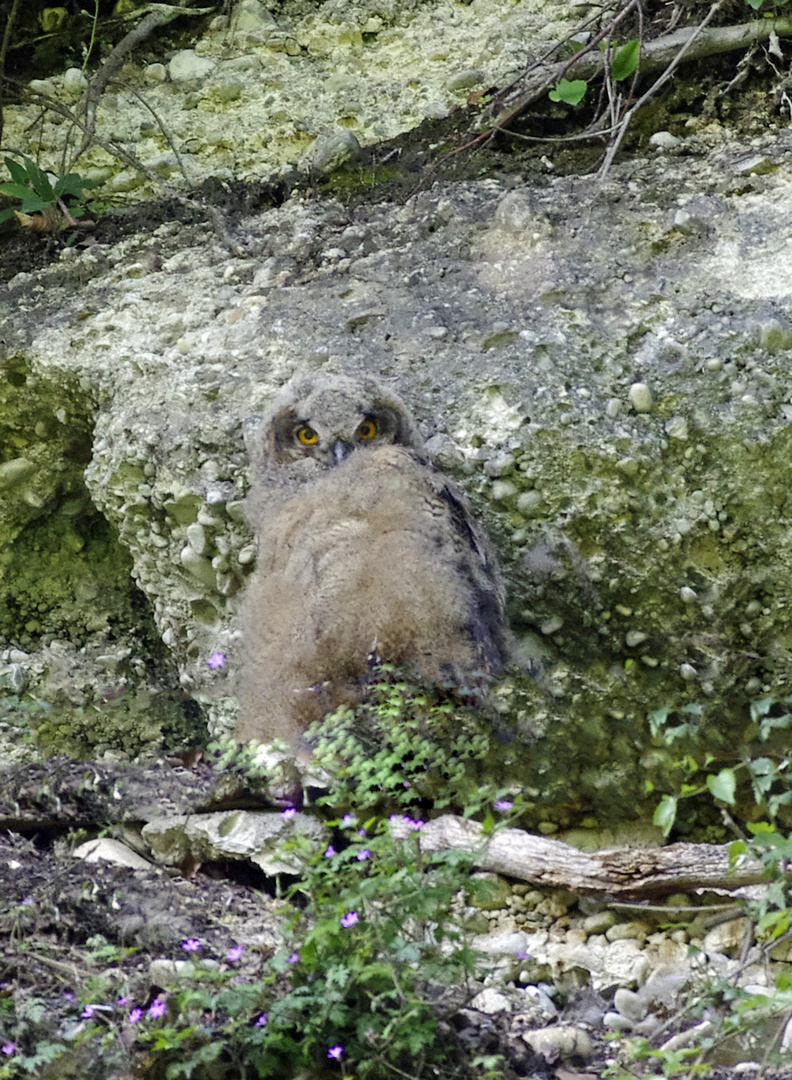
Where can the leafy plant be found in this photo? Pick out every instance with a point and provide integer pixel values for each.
(36, 194)
(571, 92)
(623, 65)
(374, 953)
(769, 777)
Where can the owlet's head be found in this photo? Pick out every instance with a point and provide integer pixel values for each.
(328, 418)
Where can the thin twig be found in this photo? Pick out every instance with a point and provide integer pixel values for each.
(168, 137)
(3, 50)
(661, 81)
(159, 15)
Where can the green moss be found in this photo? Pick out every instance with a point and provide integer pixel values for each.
(65, 578)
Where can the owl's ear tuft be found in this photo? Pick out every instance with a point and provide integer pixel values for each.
(392, 417)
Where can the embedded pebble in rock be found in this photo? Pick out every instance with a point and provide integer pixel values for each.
(560, 1041)
(727, 938)
(198, 565)
(529, 503)
(155, 73)
(16, 678)
(490, 1002)
(676, 428)
(663, 140)
(334, 151)
(629, 930)
(74, 82)
(15, 470)
(113, 851)
(186, 65)
(465, 80)
(250, 15)
(599, 922)
(515, 213)
(640, 397)
(616, 1021)
(503, 489)
(634, 638)
(543, 1000)
(499, 464)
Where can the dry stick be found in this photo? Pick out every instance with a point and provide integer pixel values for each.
(615, 143)
(3, 50)
(120, 152)
(620, 873)
(159, 15)
(655, 56)
(559, 70)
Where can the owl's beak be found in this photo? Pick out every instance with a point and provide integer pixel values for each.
(341, 450)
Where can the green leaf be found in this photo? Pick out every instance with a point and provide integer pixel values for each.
(626, 60)
(723, 786)
(665, 814)
(17, 171)
(5, 215)
(16, 191)
(74, 184)
(571, 93)
(755, 4)
(759, 828)
(40, 181)
(774, 923)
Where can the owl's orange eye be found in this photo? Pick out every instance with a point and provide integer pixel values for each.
(307, 436)
(367, 430)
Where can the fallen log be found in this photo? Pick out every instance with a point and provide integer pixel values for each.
(627, 873)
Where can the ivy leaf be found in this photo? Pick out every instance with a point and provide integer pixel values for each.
(723, 786)
(571, 93)
(626, 60)
(665, 814)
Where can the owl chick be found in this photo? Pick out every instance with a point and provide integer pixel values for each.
(364, 548)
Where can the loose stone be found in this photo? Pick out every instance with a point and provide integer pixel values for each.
(640, 397)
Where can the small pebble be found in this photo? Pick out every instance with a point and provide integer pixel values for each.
(640, 397)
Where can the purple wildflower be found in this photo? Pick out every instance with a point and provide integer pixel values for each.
(363, 854)
(235, 953)
(192, 944)
(522, 955)
(135, 1015)
(8, 1048)
(87, 1012)
(288, 813)
(261, 1020)
(329, 851)
(157, 1008)
(216, 660)
(349, 919)
(414, 825)
(347, 820)
(503, 804)
(123, 1000)
(335, 1052)
(361, 832)
(27, 901)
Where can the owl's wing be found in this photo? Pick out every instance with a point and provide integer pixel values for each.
(488, 625)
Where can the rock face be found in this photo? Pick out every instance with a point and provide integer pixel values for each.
(605, 366)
